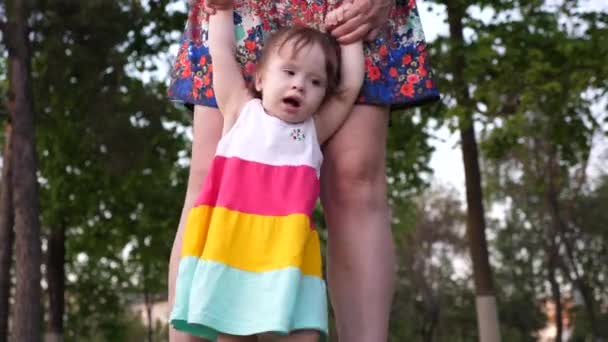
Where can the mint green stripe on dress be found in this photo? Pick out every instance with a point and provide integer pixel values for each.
(212, 297)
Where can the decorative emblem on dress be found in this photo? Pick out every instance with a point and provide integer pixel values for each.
(297, 134)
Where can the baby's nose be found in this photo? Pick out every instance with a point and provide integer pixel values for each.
(297, 84)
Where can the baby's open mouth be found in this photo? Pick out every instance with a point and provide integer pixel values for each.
(292, 101)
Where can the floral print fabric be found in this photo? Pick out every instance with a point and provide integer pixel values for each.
(398, 71)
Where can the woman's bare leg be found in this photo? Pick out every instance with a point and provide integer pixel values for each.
(361, 256)
(235, 338)
(207, 131)
(301, 336)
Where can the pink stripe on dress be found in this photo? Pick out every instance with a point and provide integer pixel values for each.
(271, 190)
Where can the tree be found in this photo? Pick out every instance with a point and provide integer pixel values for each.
(28, 311)
(487, 313)
(540, 148)
(432, 303)
(109, 147)
(6, 227)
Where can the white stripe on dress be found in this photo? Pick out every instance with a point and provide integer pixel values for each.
(270, 140)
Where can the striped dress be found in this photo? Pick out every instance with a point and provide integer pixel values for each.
(251, 260)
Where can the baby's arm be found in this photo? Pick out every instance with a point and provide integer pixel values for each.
(335, 110)
(228, 84)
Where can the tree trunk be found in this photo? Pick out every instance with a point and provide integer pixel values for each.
(28, 308)
(555, 290)
(56, 281)
(560, 228)
(148, 303)
(6, 232)
(487, 315)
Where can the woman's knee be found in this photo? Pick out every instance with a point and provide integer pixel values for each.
(357, 175)
(354, 170)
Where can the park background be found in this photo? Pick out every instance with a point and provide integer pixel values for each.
(523, 111)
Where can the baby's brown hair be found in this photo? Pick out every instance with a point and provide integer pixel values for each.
(302, 36)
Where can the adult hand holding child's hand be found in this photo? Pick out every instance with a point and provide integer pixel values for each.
(210, 6)
(359, 19)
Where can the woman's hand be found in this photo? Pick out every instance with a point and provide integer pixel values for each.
(359, 19)
(210, 6)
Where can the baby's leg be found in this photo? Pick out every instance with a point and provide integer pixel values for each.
(235, 338)
(301, 336)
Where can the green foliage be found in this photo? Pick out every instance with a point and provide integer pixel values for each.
(111, 176)
(538, 141)
(108, 148)
(432, 302)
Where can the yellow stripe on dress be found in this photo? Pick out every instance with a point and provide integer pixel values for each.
(252, 242)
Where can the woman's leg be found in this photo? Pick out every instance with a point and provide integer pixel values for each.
(207, 130)
(235, 338)
(361, 257)
(301, 336)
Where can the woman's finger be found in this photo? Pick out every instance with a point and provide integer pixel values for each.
(209, 9)
(372, 35)
(347, 26)
(363, 6)
(331, 20)
(354, 35)
(340, 15)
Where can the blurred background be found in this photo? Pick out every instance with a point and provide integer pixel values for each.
(498, 193)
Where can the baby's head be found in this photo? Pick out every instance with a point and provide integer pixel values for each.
(297, 72)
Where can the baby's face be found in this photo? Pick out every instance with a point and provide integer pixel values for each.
(293, 85)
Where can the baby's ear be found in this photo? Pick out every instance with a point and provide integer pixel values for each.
(258, 81)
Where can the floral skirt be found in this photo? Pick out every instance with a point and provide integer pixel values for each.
(398, 71)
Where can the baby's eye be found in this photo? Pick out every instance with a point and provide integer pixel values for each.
(289, 72)
(316, 83)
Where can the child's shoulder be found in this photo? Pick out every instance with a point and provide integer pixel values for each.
(252, 104)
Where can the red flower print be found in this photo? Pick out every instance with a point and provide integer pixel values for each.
(250, 45)
(373, 72)
(393, 72)
(422, 72)
(407, 89)
(198, 82)
(183, 56)
(186, 71)
(413, 78)
(250, 68)
(407, 59)
(383, 50)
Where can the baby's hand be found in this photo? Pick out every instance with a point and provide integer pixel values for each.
(338, 15)
(210, 6)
